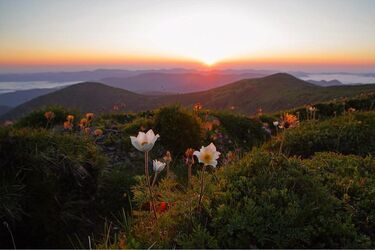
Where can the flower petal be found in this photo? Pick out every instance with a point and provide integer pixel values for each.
(135, 143)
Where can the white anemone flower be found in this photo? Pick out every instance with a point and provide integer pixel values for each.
(144, 142)
(158, 166)
(208, 155)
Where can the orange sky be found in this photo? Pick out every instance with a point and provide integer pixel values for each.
(217, 34)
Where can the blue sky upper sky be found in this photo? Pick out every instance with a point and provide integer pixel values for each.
(303, 34)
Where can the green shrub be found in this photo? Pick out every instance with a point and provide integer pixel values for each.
(352, 180)
(273, 202)
(36, 119)
(179, 129)
(242, 131)
(326, 110)
(58, 176)
(349, 134)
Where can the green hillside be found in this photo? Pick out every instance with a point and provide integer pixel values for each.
(308, 186)
(271, 93)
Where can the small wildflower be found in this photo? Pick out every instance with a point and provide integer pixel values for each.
(351, 110)
(144, 141)
(197, 106)
(49, 115)
(231, 156)
(289, 121)
(68, 125)
(89, 117)
(208, 155)
(87, 131)
(163, 207)
(158, 166)
(167, 157)
(83, 123)
(208, 126)
(70, 118)
(275, 123)
(98, 132)
(189, 156)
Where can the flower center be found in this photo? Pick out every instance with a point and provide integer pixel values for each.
(144, 142)
(206, 157)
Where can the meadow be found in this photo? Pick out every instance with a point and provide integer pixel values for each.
(178, 177)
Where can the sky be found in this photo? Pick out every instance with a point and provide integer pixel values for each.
(319, 35)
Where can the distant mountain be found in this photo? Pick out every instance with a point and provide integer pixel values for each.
(18, 97)
(178, 83)
(95, 75)
(86, 96)
(325, 83)
(271, 93)
(4, 109)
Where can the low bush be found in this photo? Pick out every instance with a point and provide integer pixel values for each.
(274, 202)
(53, 180)
(179, 129)
(350, 134)
(242, 131)
(36, 119)
(352, 180)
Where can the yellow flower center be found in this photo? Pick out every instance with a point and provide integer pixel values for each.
(143, 143)
(206, 157)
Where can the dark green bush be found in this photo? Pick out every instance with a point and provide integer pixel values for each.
(36, 119)
(349, 134)
(57, 178)
(274, 202)
(352, 180)
(178, 128)
(243, 131)
(326, 110)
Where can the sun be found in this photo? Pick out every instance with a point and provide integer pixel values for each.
(209, 61)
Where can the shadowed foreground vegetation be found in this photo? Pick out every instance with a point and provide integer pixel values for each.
(306, 186)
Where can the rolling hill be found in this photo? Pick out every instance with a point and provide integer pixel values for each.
(18, 97)
(271, 93)
(175, 82)
(4, 109)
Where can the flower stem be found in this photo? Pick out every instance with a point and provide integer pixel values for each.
(168, 170)
(202, 187)
(149, 185)
(281, 144)
(189, 175)
(153, 182)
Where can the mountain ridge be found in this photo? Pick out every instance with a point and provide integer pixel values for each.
(271, 93)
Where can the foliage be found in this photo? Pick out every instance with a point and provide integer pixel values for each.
(243, 131)
(179, 129)
(350, 134)
(271, 201)
(56, 175)
(350, 179)
(36, 119)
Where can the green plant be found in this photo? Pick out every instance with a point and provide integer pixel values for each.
(272, 202)
(36, 119)
(349, 134)
(58, 176)
(179, 129)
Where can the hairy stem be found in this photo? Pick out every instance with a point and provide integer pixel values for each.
(149, 186)
(202, 187)
(153, 182)
(189, 175)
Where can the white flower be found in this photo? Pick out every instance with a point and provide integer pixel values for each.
(144, 142)
(208, 155)
(158, 166)
(275, 123)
